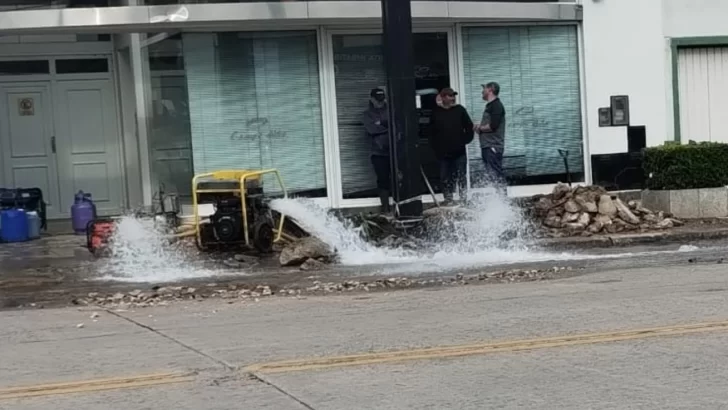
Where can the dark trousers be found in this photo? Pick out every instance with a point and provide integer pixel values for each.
(493, 160)
(453, 175)
(383, 169)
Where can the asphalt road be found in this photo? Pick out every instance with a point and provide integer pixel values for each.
(618, 337)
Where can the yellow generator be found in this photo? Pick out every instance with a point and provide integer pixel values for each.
(241, 214)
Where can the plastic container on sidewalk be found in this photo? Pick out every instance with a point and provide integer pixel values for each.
(34, 224)
(14, 224)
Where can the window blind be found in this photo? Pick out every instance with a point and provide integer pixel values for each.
(255, 103)
(538, 71)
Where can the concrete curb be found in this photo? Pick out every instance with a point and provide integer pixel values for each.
(609, 241)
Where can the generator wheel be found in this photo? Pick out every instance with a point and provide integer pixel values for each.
(263, 236)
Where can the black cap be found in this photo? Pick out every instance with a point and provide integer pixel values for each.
(377, 92)
(448, 91)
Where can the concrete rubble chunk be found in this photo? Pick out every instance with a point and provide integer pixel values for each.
(595, 227)
(603, 219)
(607, 207)
(569, 217)
(625, 213)
(665, 224)
(560, 191)
(303, 249)
(553, 222)
(571, 206)
(584, 219)
(585, 204)
(312, 265)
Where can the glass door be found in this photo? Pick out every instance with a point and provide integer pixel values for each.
(358, 68)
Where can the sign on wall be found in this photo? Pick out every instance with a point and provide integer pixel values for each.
(26, 107)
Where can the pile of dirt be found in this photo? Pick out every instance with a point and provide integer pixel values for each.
(591, 210)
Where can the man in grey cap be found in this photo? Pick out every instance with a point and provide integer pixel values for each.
(492, 133)
(376, 124)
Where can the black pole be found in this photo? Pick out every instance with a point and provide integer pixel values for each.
(404, 122)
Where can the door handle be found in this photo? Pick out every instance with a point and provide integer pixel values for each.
(53, 144)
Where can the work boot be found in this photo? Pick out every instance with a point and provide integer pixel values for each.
(384, 200)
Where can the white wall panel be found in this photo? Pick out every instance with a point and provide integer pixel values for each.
(625, 54)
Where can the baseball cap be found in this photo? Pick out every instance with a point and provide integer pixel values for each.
(448, 91)
(377, 92)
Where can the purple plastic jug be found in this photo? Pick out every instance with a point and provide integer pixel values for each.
(83, 211)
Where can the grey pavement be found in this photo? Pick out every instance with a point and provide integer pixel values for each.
(216, 339)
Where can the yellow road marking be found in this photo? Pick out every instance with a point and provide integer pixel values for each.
(480, 348)
(95, 385)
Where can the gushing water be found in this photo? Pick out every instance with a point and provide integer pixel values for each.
(141, 252)
(493, 232)
(340, 235)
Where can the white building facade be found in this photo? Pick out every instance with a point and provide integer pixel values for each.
(117, 101)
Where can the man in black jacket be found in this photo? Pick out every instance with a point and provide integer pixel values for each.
(452, 131)
(376, 125)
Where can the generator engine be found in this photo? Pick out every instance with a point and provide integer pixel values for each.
(227, 221)
(227, 227)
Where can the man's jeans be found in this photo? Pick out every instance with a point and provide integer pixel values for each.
(453, 175)
(493, 160)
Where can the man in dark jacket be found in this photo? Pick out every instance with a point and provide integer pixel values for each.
(376, 124)
(452, 131)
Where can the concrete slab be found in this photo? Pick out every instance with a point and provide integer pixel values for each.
(685, 203)
(670, 373)
(713, 203)
(46, 346)
(278, 329)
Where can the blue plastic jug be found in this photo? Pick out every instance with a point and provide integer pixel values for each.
(14, 224)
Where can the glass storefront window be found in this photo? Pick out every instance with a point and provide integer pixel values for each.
(359, 67)
(170, 136)
(255, 103)
(538, 71)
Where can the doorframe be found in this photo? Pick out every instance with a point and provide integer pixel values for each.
(328, 86)
(53, 78)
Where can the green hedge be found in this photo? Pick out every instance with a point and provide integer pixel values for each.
(689, 166)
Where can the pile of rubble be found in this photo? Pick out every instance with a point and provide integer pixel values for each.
(163, 296)
(590, 210)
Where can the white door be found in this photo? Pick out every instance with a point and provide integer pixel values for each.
(27, 145)
(703, 93)
(88, 143)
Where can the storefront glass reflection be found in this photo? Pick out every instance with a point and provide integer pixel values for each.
(359, 67)
(235, 101)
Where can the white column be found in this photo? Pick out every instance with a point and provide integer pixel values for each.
(140, 72)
